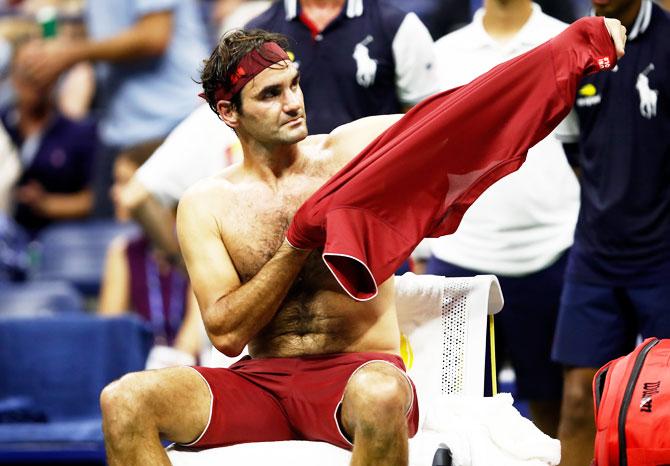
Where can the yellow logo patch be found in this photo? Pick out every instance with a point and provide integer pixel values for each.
(291, 55)
(589, 90)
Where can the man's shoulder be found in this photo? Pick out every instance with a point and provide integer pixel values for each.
(212, 189)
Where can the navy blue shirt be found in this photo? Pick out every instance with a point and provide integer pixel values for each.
(623, 231)
(334, 94)
(61, 163)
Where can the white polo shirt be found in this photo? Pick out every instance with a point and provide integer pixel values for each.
(200, 146)
(525, 221)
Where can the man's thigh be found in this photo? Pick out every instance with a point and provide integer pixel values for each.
(595, 325)
(175, 400)
(652, 308)
(240, 411)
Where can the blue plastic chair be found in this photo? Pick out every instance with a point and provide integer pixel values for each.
(39, 298)
(52, 370)
(76, 252)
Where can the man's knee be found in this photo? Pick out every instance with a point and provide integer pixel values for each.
(124, 402)
(377, 393)
(577, 407)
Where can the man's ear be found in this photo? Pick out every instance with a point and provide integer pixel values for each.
(227, 113)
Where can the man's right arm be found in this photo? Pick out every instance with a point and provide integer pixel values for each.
(148, 37)
(233, 312)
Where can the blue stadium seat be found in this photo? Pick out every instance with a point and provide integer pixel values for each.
(76, 252)
(53, 370)
(39, 298)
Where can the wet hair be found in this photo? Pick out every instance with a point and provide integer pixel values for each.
(225, 58)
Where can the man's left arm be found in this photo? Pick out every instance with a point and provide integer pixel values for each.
(415, 62)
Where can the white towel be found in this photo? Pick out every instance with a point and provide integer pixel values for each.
(484, 432)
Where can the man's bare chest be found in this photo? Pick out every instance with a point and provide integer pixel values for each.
(255, 223)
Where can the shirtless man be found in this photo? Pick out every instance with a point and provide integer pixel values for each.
(328, 365)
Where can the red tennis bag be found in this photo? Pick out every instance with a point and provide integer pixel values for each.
(632, 407)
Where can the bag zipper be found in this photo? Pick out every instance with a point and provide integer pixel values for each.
(628, 394)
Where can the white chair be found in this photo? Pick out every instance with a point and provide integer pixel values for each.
(444, 321)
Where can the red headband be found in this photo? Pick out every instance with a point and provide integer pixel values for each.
(250, 65)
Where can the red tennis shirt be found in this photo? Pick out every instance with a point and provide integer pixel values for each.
(418, 178)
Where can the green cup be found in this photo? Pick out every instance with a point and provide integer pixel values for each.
(47, 17)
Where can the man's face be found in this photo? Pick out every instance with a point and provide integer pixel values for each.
(273, 106)
(615, 8)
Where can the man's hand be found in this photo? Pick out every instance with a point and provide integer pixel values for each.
(43, 61)
(618, 34)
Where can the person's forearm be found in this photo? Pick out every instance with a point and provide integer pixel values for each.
(233, 320)
(158, 224)
(67, 206)
(149, 37)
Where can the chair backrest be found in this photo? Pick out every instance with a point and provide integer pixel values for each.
(62, 363)
(444, 320)
(39, 298)
(76, 252)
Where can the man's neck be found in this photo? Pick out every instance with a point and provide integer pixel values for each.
(321, 12)
(269, 163)
(503, 19)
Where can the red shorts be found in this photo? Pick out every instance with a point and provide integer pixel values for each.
(260, 400)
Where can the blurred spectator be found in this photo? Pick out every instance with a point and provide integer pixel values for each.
(357, 58)
(76, 88)
(14, 256)
(440, 16)
(563, 10)
(148, 52)
(200, 146)
(137, 278)
(232, 14)
(617, 282)
(55, 154)
(520, 228)
(10, 170)
(582, 7)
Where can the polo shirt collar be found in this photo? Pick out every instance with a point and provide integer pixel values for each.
(641, 22)
(530, 34)
(354, 8)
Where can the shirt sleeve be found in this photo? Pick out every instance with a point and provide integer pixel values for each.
(415, 62)
(366, 230)
(145, 7)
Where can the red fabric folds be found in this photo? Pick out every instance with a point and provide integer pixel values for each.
(419, 177)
